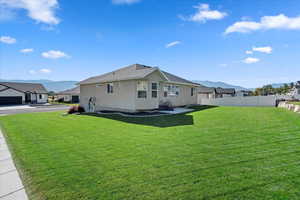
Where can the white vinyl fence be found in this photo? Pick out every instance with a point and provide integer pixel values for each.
(240, 101)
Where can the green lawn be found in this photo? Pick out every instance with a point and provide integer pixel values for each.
(63, 103)
(216, 153)
(296, 103)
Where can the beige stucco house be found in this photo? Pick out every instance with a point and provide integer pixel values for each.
(12, 93)
(136, 88)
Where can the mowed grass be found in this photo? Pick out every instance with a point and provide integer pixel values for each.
(215, 153)
(295, 102)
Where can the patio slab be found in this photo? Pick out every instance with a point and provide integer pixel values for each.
(177, 111)
(11, 186)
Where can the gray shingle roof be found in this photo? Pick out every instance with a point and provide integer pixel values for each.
(177, 79)
(26, 87)
(132, 72)
(225, 90)
(73, 91)
(127, 73)
(206, 90)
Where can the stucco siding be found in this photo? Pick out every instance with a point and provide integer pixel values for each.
(13, 93)
(184, 97)
(149, 103)
(122, 98)
(42, 99)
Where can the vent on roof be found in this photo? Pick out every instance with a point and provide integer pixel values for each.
(138, 67)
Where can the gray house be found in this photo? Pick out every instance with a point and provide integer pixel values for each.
(136, 88)
(12, 93)
(70, 95)
(211, 92)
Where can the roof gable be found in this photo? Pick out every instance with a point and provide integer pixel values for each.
(26, 87)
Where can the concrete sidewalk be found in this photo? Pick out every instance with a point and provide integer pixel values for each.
(11, 187)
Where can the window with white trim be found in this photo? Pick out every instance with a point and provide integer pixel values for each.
(142, 87)
(154, 87)
(171, 90)
(110, 88)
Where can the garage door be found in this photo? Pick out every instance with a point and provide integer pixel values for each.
(10, 100)
(75, 99)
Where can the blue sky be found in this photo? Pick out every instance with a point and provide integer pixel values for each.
(239, 42)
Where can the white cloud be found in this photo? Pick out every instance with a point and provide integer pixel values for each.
(45, 71)
(40, 71)
(125, 1)
(249, 52)
(251, 60)
(53, 54)
(266, 23)
(26, 50)
(8, 39)
(267, 49)
(171, 44)
(204, 14)
(39, 10)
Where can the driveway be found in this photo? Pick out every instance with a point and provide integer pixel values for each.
(8, 110)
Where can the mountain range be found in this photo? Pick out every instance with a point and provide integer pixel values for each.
(220, 84)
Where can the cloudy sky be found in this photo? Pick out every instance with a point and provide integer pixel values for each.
(239, 42)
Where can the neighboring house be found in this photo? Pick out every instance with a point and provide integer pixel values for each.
(211, 92)
(206, 93)
(295, 92)
(69, 96)
(12, 93)
(243, 93)
(225, 92)
(136, 88)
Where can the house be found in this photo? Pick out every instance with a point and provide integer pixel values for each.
(243, 93)
(225, 92)
(295, 92)
(211, 92)
(12, 93)
(206, 92)
(136, 88)
(69, 96)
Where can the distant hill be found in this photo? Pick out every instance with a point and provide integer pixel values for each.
(219, 84)
(55, 86)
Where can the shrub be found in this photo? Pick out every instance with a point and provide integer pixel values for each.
(80, 109)
(76, 109)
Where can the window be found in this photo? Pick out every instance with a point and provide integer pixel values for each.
(154, 88)
(40, 96)
(192, 91)
(171, 90)
(110, 88)
(142, 87)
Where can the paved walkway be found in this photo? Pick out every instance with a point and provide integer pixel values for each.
(11, 187)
